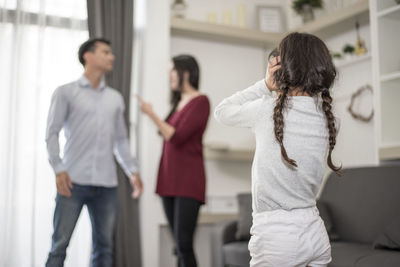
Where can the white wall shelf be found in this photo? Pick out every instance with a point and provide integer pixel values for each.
(382, 5)
(390, 12)
(353, 61)
(390, 76)
(389, 151)
(338, 20)
(217, 32)
(228, 154)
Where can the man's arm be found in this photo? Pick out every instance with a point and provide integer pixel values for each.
(57, 115)
(122, 153)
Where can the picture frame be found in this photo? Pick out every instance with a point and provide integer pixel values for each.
(270, 18)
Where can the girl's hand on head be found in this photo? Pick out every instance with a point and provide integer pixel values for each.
(145, 107)
(273, 65)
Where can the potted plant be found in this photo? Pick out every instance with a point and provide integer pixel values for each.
(305, 8)
(336, 57)
(348, 51)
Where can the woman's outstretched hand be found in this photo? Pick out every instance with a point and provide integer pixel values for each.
(145, 107)
(273, 65)
(166, 130)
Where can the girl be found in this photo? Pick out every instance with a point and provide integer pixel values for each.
(181, 175)
(290, 113)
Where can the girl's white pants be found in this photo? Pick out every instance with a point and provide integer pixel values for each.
(289, 238)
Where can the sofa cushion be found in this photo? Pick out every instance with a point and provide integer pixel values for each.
(325, 215)
(245, 217)
(346, 254)
(237, 254)
(362, 201)
(390, 238)
(380, 258)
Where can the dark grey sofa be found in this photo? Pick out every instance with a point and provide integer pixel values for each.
(361, 210)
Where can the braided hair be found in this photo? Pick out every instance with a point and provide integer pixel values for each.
(306, 68)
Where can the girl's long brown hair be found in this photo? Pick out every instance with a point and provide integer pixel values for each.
(306, 65)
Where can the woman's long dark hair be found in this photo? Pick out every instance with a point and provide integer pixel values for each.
(306, 67)
(182, 64)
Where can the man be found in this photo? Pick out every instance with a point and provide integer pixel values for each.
(91, 114)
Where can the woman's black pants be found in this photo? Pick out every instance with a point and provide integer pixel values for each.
(182, 215)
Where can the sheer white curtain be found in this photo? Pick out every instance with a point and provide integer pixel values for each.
(39, 41)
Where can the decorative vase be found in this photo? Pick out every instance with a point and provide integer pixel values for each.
(307, 13)
(178, 9)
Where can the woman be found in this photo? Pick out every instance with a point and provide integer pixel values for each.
(290, 114)
(181, 175)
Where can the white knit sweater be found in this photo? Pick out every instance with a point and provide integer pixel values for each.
(275, 185)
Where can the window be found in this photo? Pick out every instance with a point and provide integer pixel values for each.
(38, 47)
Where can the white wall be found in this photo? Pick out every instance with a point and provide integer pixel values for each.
(155, 90)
